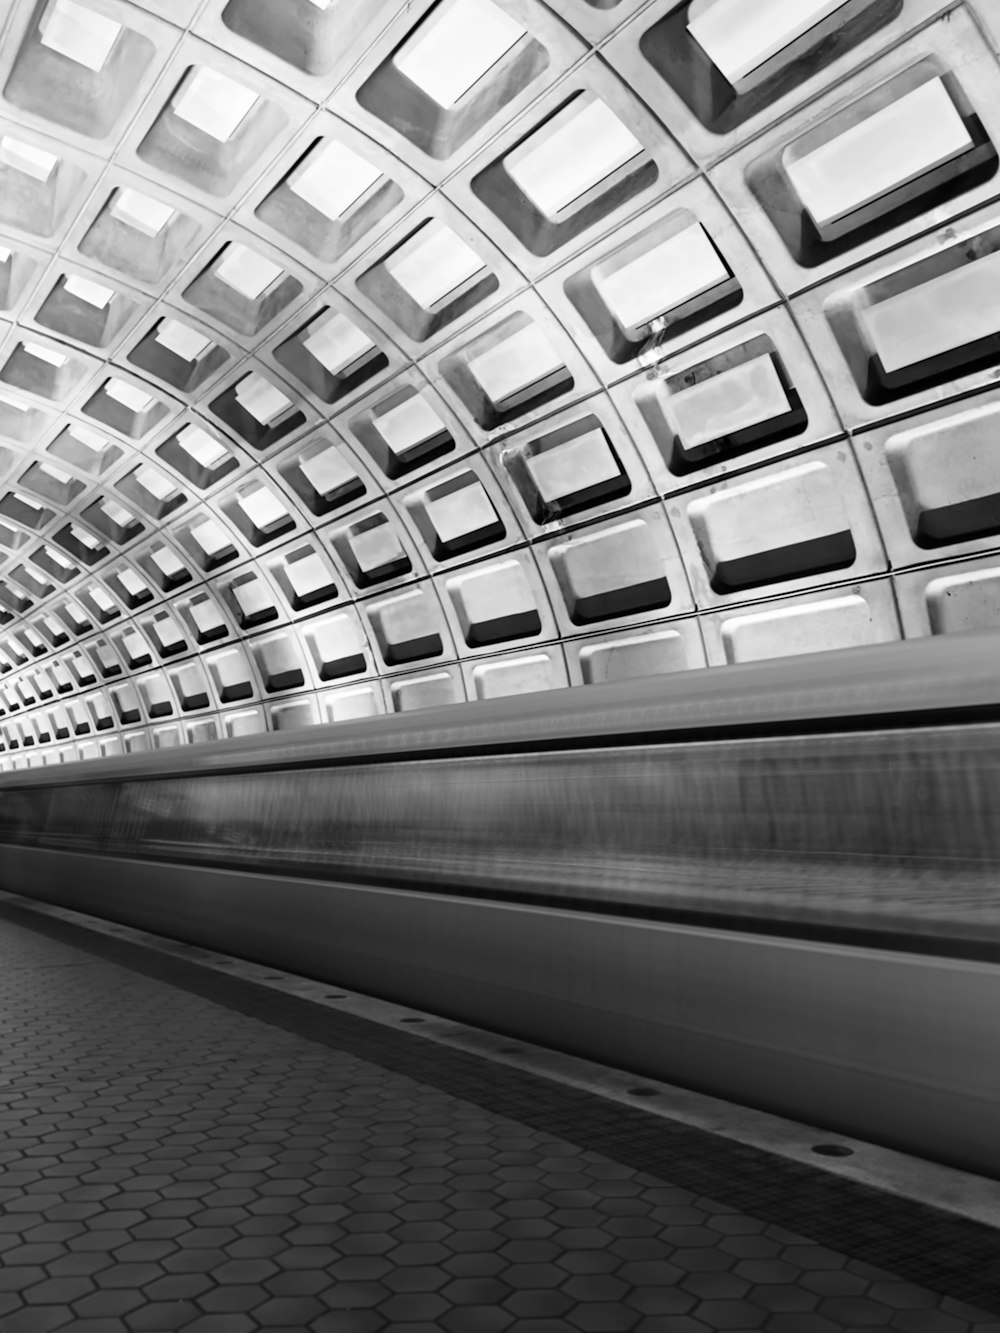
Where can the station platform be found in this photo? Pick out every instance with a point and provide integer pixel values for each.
(182, 1148)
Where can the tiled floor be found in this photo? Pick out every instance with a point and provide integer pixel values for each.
(183, 1150)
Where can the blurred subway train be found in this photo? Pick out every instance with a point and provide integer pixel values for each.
(777, 883)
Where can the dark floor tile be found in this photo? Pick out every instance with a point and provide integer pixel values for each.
(253, 1163)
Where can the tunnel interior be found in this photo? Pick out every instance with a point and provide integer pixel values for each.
(359, 357)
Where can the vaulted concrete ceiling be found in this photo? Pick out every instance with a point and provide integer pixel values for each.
(360, 355)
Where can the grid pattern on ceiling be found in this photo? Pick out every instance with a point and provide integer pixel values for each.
(359, 356)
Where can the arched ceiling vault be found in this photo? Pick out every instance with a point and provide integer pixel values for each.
(359, 356)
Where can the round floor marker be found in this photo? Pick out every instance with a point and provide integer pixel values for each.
(642, 1092)
(334, 995)
(411, 1020)
(832, 1150)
